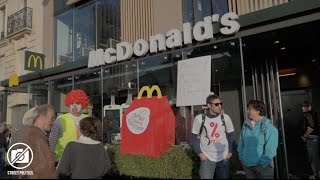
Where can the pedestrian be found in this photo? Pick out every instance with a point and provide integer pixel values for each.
(66, 126)
(311, 136)
(3, 145)
(107, 129)
(43, 163)
(85, 158)
(258, 143)
(213, 139)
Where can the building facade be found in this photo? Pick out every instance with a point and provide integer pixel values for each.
(273, 57)
(25, 26)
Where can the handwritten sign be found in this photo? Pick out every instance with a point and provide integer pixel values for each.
(193, 82)
(138, 120)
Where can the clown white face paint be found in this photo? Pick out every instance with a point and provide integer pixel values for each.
(75, 109)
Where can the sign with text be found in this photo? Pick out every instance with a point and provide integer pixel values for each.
(33, 61)
(194, 79)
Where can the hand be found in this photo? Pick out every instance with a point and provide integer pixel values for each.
(203, 157)
(229, 155)
(304, 139)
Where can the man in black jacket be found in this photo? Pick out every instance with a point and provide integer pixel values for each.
(311, 136)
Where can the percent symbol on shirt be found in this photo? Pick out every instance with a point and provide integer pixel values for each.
(214, 129)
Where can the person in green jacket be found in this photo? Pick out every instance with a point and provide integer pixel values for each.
(66, 126)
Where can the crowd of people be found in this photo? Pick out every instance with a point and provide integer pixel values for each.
(70, 146)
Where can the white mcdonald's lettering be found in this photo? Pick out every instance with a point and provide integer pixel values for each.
(202, 30)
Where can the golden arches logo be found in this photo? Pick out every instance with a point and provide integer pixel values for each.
(149, 91)
(35, 61)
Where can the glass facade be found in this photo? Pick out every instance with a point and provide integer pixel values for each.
(196, 10)
(82, 28)
(111, 88)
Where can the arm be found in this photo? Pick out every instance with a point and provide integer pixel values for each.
(196, 144)
(270, 146)
(231, 137)
(310, 123)
(54, 134)
(230, 134)
(64, 166)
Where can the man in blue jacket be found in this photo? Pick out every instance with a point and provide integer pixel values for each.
(258, 143)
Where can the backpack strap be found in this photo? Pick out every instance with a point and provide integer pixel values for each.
(223, 122)
(202, 127)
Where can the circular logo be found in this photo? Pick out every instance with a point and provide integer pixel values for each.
(20, 155)
(138, 120)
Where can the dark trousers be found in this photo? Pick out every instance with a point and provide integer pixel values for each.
(259, 172)
(313, 155)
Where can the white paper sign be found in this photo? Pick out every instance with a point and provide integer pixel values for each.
(138, 120)
(194, 79)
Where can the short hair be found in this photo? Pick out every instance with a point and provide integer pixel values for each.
(41, 110)
(91, 127)
(306, 104)
(212, 97)
(258, 106)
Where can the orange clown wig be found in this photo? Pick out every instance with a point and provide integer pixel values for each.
(77, 96)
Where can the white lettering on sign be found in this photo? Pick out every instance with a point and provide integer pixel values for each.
(202, 30)
(138, 120)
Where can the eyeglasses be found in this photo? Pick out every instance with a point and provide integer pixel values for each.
(216, 104)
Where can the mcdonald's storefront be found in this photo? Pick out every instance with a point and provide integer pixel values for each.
(252, 63)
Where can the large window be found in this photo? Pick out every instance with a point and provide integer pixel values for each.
(196, 10)
(90, 83)
(84, 26)
(81, 28)
(38, 94)
(108, 23)
(58, 89)
(64, 34)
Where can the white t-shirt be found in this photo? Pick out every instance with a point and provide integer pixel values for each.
(218, 148)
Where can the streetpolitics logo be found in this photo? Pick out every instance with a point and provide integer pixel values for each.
(20, 156)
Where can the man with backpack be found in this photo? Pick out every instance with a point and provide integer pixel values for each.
(311, 136)
(213, 139)
(258, 143)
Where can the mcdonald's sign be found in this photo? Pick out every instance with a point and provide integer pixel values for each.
(34, 61)
(149, 91)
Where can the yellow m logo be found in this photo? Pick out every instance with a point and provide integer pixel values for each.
(35, 61)
(149, 91)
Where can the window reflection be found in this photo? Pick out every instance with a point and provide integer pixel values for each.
(84, 31)
(157, 71)
(58, 90)
(196, 10)
(38, 94)
(90, 83)
(64, 36)
(108, 23)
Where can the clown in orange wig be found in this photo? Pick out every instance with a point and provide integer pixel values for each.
(66, 126)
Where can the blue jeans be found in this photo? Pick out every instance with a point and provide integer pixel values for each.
(220, 169)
